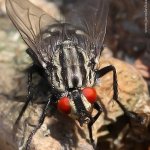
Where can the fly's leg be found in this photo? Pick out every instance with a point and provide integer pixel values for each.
(106, 70)
(92, 121)
(31, 70)
(29, 98)
(41, 120)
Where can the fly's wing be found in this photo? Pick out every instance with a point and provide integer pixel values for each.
(30, 22)
(91, 17)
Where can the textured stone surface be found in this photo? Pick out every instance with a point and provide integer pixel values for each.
(133, 93)
(60, 132)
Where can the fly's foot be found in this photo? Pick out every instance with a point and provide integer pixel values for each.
(136, 117)
(93, 143)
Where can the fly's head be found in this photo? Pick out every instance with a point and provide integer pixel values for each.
(78, 104)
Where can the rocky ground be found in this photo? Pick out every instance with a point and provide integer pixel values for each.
(111, 131)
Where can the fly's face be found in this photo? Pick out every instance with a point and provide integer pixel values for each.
(78, 104)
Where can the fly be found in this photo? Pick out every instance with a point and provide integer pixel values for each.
(66, 53)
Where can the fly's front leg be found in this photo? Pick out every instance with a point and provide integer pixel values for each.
(90, 124)
(106, 70)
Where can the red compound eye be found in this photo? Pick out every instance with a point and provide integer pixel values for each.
(90, 94)
(64, 105)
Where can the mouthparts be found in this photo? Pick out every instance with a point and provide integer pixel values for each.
(84, 118)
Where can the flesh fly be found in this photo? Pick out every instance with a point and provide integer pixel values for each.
(66, 52)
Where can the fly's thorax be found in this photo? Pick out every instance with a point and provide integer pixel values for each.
(71, 67)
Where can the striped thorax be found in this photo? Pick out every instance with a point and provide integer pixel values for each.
(71, 67)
